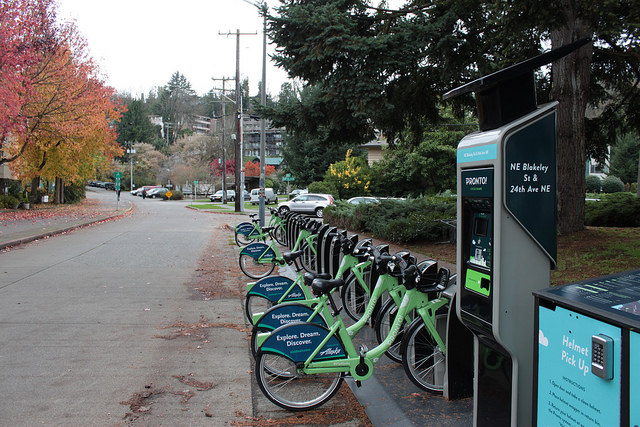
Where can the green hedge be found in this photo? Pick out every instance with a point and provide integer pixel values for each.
(9, 202)
(401, 221)
(613, 210)
(175, 195)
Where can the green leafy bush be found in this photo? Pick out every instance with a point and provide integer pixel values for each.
(72, 193)
(401, 221)
(175, 195)
(594, 184)
(323, 187)
(9, 202)
(612, 184)
(614, 210)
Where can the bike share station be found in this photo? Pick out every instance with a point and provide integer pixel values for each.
(506, 234)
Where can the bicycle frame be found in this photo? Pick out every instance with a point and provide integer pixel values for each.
(304, 342)
(349, 262)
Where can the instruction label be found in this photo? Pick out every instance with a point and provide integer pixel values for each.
(568, 393)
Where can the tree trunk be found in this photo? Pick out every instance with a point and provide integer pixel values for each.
(570, 87)
(58, 195)
(638, 186)
(35, 184)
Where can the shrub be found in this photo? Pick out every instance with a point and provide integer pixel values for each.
(324, 188)
(612, 184)
(594, 184)
(399, 221)
(175, 195)
(72, 193)
(614, 210)
(9, 202)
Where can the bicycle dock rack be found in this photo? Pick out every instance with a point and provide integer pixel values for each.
(335, 253)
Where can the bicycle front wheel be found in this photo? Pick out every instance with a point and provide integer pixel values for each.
(254, 304)
(253, 268)
(242, 239)
(279, 235)
(423, 360)
(286, 386)
(384, 322)
(309, 260)
(354, 298)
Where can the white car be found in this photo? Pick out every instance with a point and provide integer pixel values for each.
(217, 197)
(310, 203)
(269, 195)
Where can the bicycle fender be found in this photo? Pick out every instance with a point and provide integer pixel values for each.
(243, 225)
(257, 250)
(274, 287)
(284, 314)
(297, 341)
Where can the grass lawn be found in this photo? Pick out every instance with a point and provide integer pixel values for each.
(593, 252)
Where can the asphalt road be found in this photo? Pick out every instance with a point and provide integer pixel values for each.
(87, 321)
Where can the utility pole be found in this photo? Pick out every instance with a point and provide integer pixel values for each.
(224, 140)
(263, 102)
(238, 124)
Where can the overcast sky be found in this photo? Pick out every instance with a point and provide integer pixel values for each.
(139, 44)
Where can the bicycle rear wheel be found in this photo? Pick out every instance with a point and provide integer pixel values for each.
(292, 389)
(254, 269)
(423, 360)
(384, 321)
(354, 298)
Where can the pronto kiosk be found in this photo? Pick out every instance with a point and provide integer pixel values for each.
(506, 233)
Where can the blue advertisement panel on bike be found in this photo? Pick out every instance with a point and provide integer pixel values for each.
(274, 288)
(298, 341)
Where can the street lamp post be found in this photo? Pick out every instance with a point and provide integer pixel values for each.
(131, 152)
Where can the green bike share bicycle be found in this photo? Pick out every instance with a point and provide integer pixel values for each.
(273, 290)
(300, 366)
(258, 259)
(315, 308)
(248, 232)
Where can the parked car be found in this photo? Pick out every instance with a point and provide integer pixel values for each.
(309, 203)
(217, 197)
(246, 195)
(146, 188)
(157, 193)
(363, 200)
(110, 186)
(270, 196)
(298, 192)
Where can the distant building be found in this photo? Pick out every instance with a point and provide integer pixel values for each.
(274, 139)
(203, 125)
(375, 149)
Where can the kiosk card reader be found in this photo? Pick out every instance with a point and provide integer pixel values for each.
(506, 233)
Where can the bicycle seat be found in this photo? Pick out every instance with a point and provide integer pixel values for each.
(325, 286)
(310, 277)
(289, 257)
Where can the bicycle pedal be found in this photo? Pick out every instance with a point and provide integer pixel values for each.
(358, 383)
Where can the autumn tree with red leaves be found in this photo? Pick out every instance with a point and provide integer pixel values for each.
(26, 31)
(64, 129)
(253, 169)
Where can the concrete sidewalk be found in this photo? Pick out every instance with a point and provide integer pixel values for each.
(23, 226)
